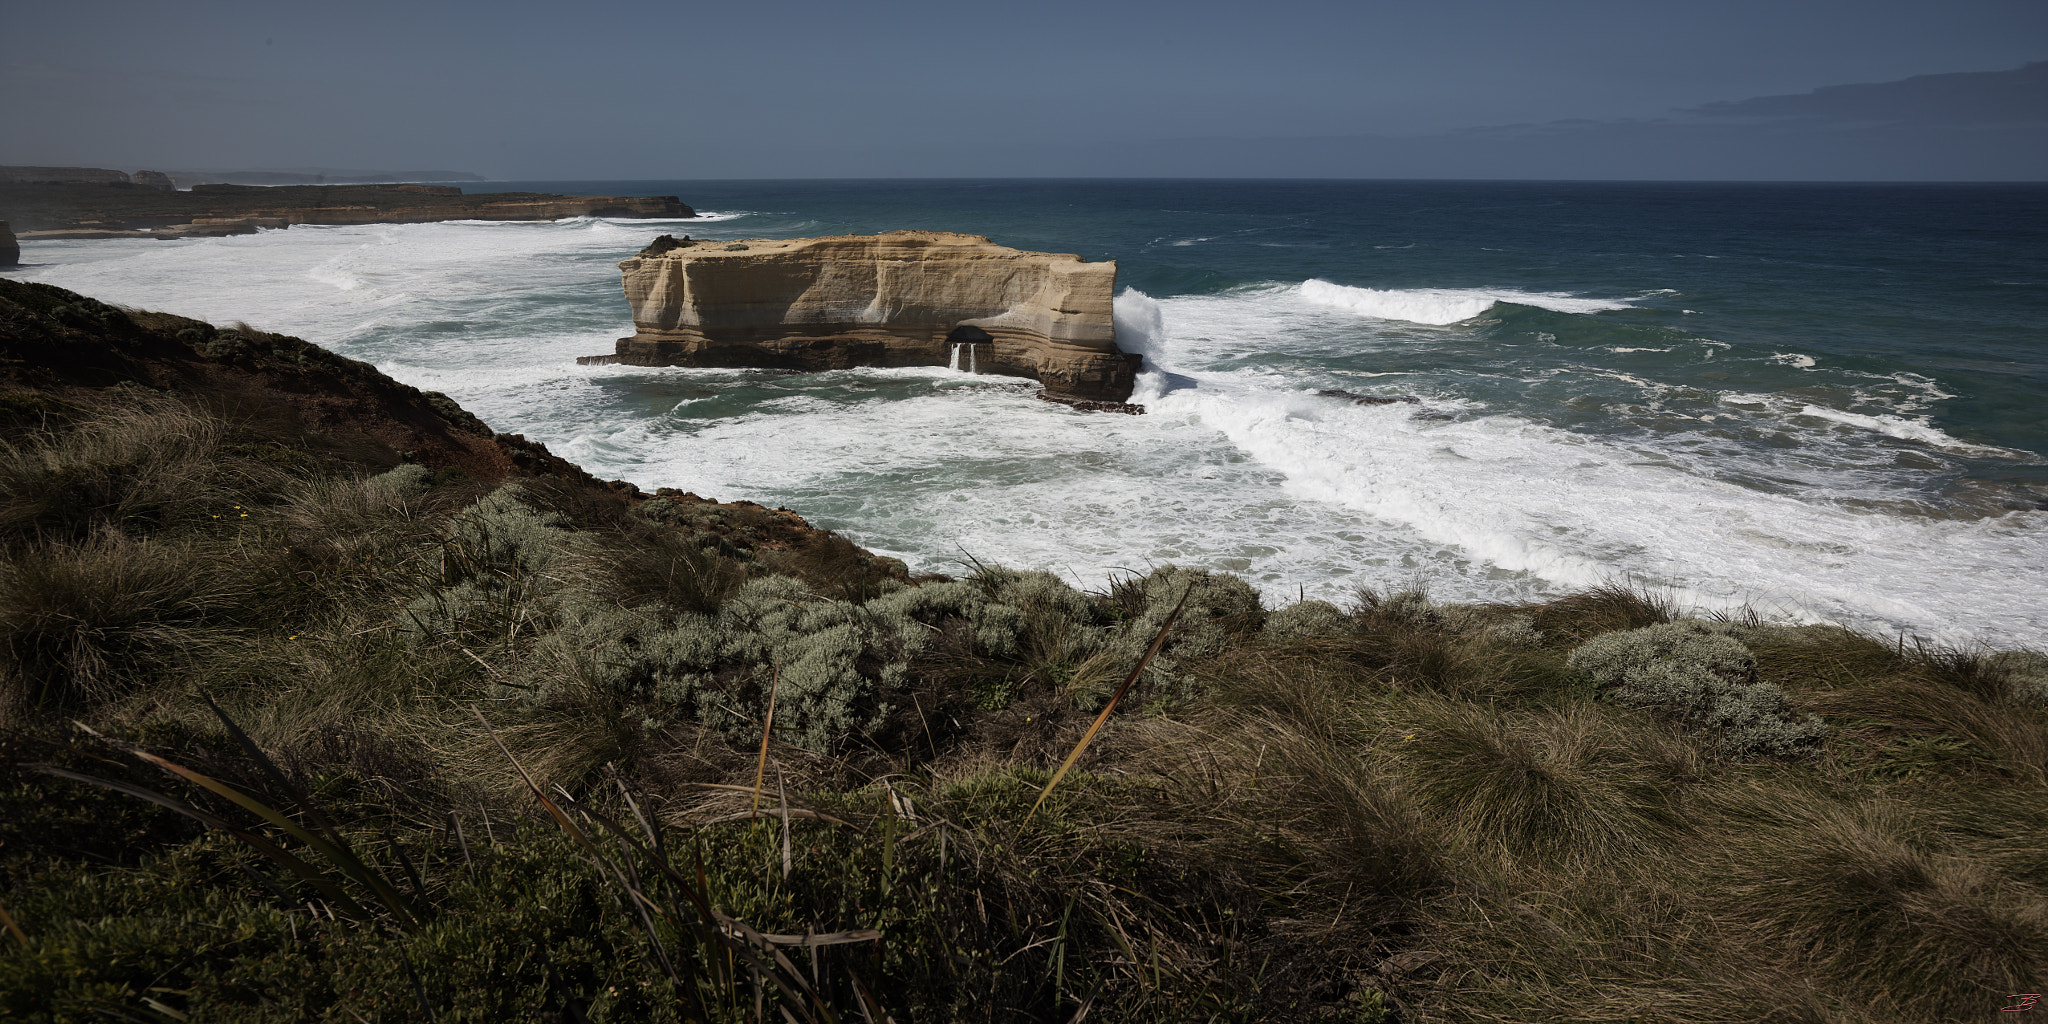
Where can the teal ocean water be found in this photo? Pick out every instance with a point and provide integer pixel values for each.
(1823, 402)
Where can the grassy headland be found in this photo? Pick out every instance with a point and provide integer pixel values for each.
(322, 702)
(90, 209)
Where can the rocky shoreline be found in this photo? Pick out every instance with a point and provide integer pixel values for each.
(111, 209)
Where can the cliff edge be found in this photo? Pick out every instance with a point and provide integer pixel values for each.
(902, 298)
(74, 209)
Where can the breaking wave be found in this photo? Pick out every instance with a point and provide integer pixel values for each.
(1441, 305)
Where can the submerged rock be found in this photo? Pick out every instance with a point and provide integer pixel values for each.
(1358, 399)
(903, 298)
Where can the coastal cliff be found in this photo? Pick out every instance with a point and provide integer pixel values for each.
(77, 209)
(902, 298)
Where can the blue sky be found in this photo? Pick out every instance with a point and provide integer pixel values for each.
(680, 89)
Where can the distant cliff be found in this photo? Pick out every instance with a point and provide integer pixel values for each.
(97, 175)
(904, 298)
(123, 208)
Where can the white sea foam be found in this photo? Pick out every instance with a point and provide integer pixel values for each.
(1905, 428)
(715, 216)
(1440, 305)
(1901, 427)
(1794, 359)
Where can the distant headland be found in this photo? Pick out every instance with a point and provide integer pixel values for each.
(92, 202)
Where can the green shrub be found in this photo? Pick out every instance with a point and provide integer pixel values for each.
(526, 931)
(1615, 658)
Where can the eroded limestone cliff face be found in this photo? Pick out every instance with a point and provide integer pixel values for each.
(903, 298)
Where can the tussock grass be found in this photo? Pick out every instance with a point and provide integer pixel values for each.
(148, 463)
(1564, 789)
(1609, 608)
(85, 622)
(1869, 898)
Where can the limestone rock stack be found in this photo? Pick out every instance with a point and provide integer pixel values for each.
(10, 250)
(903, 298)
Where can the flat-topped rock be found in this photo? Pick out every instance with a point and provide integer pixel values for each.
(902, 298)
(93, 207)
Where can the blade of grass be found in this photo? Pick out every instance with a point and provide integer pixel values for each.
(1089, 736)
(309, 874)
(12, 928)
(712, 936)
(555, 812)
(346, 861)
(888, 842)
(341, 857)
(767, 723)
(419, 990)
(782, 797)
(419, 890)
(270, 769)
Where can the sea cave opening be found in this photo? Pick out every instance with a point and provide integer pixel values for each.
(968, 334)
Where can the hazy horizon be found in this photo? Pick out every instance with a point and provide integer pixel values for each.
(1810, 90)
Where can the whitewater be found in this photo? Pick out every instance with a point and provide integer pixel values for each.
(1549, 438)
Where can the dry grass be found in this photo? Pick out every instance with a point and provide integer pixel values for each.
(82, 623)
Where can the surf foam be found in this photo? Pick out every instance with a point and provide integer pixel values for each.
(1439, 306)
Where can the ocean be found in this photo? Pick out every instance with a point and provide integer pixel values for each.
(1815, 402)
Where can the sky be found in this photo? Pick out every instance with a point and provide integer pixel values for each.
(679, 89)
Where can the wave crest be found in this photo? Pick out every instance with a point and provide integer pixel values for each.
(1440, 305)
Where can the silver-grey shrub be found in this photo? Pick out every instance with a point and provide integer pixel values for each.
(1701, 677)
(1200, 632)
(1412, 607)
(492, 569)
(830, 663)
(2025, 674)
(1308, 618)
(1515, 631)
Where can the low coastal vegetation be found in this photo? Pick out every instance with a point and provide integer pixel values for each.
(299, 725)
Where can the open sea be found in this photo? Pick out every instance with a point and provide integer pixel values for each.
(1822, 402)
